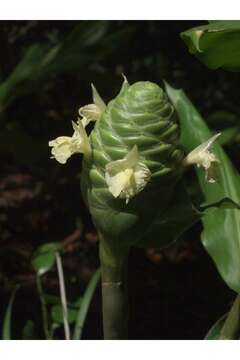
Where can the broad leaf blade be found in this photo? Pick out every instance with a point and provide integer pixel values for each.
(231, 327)
(221, 234)
(215, 330)
(44, 258)
(217, 44)
(57, 314)
(228, 326)
(170, 224)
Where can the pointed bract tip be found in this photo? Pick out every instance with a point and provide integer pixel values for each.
(97, 100)
(125, 80)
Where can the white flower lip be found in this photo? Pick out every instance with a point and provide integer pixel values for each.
(127, 177)
(92, 112)
(201, 156)
(63, 147)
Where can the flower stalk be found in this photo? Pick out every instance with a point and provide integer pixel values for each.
(114, 293)
(63, 296)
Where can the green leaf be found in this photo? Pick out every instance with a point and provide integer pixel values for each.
(215, 330)
(88, 42)
(42, 61)
(228, 326)
(24, 76)
(217, 44)
(223, 119)
(57, 314)
(170, 224)
(227, 123)
(84, 305)
(231, 327)
(28, 332)
(52, 299)
(224, 203)
(221, 234)
(44, 258)
(230, 135)
(6, 329)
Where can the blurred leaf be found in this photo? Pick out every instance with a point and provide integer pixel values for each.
(44, 258)
(221, 234)
(54, 326)
(6, 329)
(228, 136)
(228, 326)
(28, 332)
(224, 203)
(227, 123)
(168, 226)
(217, 44)
(215, 330)
(56, 310)
(75, 50)
(24, 76)
(86, 44)
(231, 327)
(51, 299)
(223, 119)
(84, 305)
(57, 314)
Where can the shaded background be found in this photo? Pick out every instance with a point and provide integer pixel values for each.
(46, 68)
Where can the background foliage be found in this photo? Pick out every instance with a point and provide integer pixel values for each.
(46, 69)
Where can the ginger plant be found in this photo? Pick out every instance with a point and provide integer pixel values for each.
(132, 163)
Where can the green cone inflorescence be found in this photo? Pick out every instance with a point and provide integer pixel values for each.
(141, 116)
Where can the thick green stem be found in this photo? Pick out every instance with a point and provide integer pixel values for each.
(114, 293)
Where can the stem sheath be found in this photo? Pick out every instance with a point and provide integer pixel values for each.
(114, 293)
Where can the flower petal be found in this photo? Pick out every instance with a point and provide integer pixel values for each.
(61, 149)
(117, 183)
(200, 150)
(127, 177)
(201, 156)
(64, 146)
(90, 113)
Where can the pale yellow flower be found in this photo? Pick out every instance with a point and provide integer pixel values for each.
(63, 147)
(127, 177)
(92, 112)
(201, 156)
